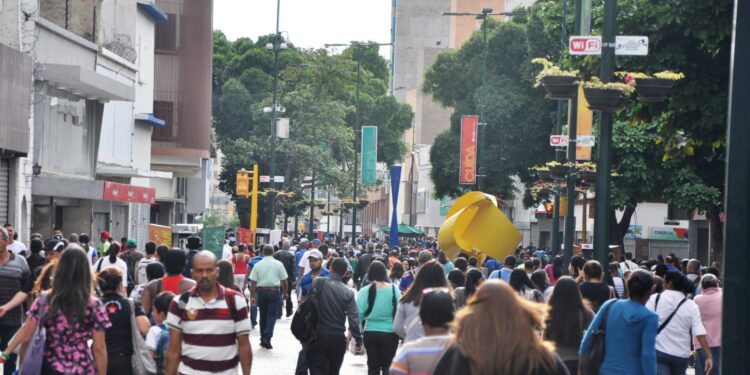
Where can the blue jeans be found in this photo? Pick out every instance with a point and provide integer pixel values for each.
(701, 358)
(254, 314)
(268, 306)
(667, 364)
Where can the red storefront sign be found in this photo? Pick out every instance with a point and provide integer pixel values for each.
(245, 236)
(467, 174)
(116, 192)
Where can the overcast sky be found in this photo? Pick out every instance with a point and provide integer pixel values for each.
(310, 23)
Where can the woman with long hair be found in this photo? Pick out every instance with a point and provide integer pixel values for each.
(43, 283)
(541, 283)
(569, 316)
(520, 282)
(111, 259)
(376, 303)
(240, 259)
(407, 323)
(71, 317)
(397, 271)
(119, 309)
(554, 270)
(497, 333)
(226, 275)
(474, 278)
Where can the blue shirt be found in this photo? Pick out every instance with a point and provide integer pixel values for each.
(492, 265)
(306, 281)
(297, 258)
(503, 273)
(629, 339)
(254, 261)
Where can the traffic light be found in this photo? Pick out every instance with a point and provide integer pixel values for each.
(549, 208)
(243, 183)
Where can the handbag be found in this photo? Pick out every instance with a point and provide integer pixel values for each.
(142, 361)
(591, 361)
(34, 355)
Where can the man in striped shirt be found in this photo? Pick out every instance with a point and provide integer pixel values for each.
(209, 326)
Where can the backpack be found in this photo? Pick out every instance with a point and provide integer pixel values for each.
(305, 321)
(161, 349)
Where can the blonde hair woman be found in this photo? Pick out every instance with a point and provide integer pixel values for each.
(497, 333)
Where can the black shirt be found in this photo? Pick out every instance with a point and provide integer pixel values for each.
(287, 259)
(119, 337)
(596, 293)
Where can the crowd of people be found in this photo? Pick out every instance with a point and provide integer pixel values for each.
(124, 309)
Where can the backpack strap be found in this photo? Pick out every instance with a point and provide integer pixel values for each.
(656, 303)
(99, 266)
(664, 325)
(395, 302)
(231, 303)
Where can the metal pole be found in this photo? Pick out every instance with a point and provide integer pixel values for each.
(312, 205)
(276, 48)
(328, 211)
(556, 221)
(357, 131)
(570, 219)
(604, 164)
(482, 125)
(736, 309)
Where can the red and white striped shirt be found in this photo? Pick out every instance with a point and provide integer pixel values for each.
(209, 331)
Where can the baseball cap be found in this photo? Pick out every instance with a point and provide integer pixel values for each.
(316, 241)
(132, 244)
(315, 254)
(104, 234)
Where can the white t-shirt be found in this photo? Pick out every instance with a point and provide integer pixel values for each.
(304, 263)
(152, 337)
(675, 338)
(226, 252)
(103, 263)
(18, 248)
(92, 253)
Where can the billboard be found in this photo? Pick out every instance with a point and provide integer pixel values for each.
(668, 234)
(467, 174)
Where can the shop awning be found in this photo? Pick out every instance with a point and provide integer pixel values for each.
(404, 230)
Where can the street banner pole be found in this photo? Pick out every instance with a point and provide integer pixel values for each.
(369, 155)
(467, 174)
(395, 183)
(254, 205)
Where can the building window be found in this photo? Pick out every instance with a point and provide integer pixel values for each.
(165, 111)
(166, 34)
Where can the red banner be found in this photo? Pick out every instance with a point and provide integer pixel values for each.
(245, 236)
(116, 192)
(467, 174)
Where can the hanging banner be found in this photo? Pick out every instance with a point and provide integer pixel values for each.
(245, 236)
(369, 154)
(213, 240)
(467, 173)
(395, 183)
(585, 119)
(160, 234)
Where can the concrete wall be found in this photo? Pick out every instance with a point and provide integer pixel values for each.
(76, 16)
(117, 134)
(118, 28)
(10, 31)
(463, 27)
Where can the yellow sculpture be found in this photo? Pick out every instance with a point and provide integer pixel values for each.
(475, 222)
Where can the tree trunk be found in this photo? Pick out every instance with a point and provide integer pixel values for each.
(716, 245)
(243, 211)
(619, 229)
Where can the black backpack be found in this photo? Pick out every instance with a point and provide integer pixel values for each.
(305, 321)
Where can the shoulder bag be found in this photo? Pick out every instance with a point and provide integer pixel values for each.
(591, 361)
(142, 361)
(669, 318)
(34, 355)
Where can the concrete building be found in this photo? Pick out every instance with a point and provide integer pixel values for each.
(421, 33)
(182, 98)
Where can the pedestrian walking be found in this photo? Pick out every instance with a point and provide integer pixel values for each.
(443, 260)
(175, 281)
(679, 318)
(630, 330)
(628, 264)
(266, 278)
(568, 318)
(118, 335)
(377, 305)
(363, 263)
(71, 317)
(396, 272)
(208, 326)
(36, 261)
(421, 356)
(592, 288)
(91, 252)
(710, 306)
(554, 270)
(316, 270)
(239, 263)
(16, 247)
(409, 277)
(456, 278)
(541, 283)
(111, 259)
(616, 282)
(335, 305)
(474, 278)
(504, 273)
(496, 333)
(16, 282)
(194, 245)
(157, 338)
(406, 324)
(131, 257)
(521, 283)
(154, 271)
(226, 275)
(286, 257)
(140, 269)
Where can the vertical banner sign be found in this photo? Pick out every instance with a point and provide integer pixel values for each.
(395, 183)
(585, 119)
(369, 154)
(467, 174)
(213, 240)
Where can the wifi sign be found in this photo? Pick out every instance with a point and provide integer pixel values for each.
(585, 45)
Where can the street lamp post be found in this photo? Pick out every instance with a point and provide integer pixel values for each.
(357, 128)
(277, 47)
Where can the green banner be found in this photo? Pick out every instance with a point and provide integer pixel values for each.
(445, 206)
(369, 154)
(213, 240)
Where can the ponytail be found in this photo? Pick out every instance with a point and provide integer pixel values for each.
(114, 249)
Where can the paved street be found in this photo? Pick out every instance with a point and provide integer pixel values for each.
(282, 359)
